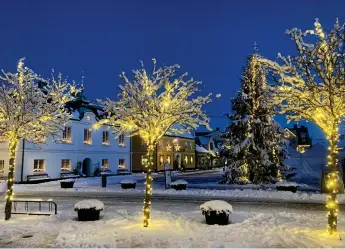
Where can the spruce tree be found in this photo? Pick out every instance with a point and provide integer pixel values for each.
(255, 148)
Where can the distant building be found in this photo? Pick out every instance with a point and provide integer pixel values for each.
(212, 142)
(178, 151)
(78, 146)
(298, 137)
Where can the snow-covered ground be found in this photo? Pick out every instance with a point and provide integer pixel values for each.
(172, 225)
(92, 186)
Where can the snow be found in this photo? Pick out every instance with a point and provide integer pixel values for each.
(130, 181)
(172, 226)
(216, 205)
(201, 149)
(89, 204)
(179, 182)
(68, 180)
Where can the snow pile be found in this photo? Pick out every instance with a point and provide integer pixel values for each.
(89, 204)
(179, 182)
(128, 181)
(216, 205)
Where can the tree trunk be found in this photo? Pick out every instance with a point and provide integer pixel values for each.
(10, 182)
(332, 182)
(148, 188)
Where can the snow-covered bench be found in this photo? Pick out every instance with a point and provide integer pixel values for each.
(37, 177)
(26, 203)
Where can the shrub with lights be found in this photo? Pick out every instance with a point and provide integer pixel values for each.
(151, 105)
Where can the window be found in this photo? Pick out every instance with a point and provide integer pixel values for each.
(122, 140)
(105, 163)
(186, 145)
(87, 136)
(161, 159)
(143, 144)
(39, 165)
(169, 159)
(186, 159)
(66, 165)
(191, 145)
(67, 135)
(2, 166)
(105, 139)
(143, 160)
(122, 163)
(211, 146)
(191, 160)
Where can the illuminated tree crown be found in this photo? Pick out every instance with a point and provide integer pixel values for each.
(152, 105)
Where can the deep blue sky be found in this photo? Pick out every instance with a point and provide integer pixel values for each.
(99, 39)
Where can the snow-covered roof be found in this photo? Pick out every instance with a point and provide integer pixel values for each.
(317, 150)
(201, 149)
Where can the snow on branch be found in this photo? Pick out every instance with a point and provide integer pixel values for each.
(151, 105)
(311, 84)
(32, 107)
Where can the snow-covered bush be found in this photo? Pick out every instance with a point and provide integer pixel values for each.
(217, 205)
(89, 204)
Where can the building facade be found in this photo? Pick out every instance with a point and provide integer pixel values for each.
(298, 137)
(80, 148)
(178, 151)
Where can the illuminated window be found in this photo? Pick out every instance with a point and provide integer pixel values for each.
(88, 118)
(191, 145)
(122, 140)
(67, 135)
(105, 163)
(105, 139)
(169, 159)
(87, 136)
(191, 159)
(161, 159)
(122, 163)
(65, 165)
(2, 166)
(186, 159)
(143, 160)
(39, 165)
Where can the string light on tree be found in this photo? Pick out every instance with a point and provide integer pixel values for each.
(31, 108)
(311, 86)
(151, 106)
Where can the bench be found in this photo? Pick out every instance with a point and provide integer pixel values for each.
(123, 172)
(65, 175)
(26, 203)
(37, 177)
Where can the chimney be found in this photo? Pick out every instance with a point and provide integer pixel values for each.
(295, 126)
(217, 129)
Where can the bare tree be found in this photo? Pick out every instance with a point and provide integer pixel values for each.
(311, 86)
(151, 106)
(31, 109)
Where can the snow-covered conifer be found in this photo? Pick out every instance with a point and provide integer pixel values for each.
(255, 148)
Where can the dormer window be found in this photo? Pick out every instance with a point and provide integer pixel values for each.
(211, 146)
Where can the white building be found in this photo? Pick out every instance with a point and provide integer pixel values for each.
(81, 146)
